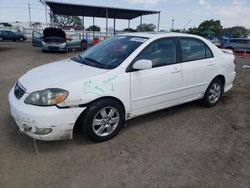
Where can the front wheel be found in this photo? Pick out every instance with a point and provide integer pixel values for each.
(103, 120)
(213, 93)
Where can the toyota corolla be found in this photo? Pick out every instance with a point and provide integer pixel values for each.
(121, 78)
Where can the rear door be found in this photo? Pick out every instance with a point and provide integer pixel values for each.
(37, 39)
(198, 65)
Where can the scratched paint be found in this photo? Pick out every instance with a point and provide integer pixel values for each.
(106, 85)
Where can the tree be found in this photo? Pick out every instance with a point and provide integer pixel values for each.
(237, 31)
(192, 30)
(176, 30)
(146, 27)
(36, 24)
(130, 30)
(93, 28)
(61, 20)
(5, 24)
(213, 25)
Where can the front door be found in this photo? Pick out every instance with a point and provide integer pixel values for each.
(37, 39)
(158, 87)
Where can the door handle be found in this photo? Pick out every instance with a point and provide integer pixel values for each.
(210, 63)
(176, 70)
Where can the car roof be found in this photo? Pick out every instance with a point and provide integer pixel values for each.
(239, 39)
(155, 35)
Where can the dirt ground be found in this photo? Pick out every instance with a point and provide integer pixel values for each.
(184, 146)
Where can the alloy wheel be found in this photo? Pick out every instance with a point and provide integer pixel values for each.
(106, 121)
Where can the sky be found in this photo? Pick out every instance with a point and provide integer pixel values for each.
(190, 12)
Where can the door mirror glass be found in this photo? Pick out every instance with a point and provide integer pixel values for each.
(142, 64)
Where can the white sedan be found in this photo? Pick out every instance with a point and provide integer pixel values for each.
(123, 77)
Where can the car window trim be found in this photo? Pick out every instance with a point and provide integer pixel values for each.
(129, 67)
(180, 51)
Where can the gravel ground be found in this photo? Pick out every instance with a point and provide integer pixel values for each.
(184, 146)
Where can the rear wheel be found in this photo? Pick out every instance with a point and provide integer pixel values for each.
(21, 39)
(213, 93)
(1, 38)
(103, 120)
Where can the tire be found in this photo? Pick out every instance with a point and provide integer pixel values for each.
(213, 93)
(1, 38)
(21, 39)
(100, 123)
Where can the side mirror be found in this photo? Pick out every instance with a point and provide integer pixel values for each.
(142, 64)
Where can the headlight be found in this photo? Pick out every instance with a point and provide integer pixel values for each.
(44, 43)
(63, 45)
(47, 97)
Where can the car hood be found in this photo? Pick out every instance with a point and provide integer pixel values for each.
(54, 32)
(57, 74)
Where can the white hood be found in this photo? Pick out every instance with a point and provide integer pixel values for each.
(56, 74)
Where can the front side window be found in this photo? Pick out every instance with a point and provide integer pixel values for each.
(111, 52)
(194, 49)
(161, 53)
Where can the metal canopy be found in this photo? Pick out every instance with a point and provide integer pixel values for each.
(96, 11)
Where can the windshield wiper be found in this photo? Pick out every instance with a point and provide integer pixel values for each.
(78, 58)
(93, 60)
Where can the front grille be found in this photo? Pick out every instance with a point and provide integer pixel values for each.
(53, 47)
(19, 90)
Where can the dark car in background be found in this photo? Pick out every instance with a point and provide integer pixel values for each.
(10, 35)
(237, 44)
(55, 39)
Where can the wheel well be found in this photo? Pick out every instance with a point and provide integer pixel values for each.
(76, 126)
(222, 78)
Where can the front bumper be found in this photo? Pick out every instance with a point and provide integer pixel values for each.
(54, 48)
(29, 118)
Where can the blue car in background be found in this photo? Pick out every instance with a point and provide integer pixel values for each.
(10, 35)
(237, 44)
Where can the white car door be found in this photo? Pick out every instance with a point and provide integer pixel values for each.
(158, 87)
(198, 66)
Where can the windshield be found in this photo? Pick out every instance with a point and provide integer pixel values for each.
(111, 52)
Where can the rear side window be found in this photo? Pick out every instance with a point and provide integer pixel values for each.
(161, 52)
(194, 49)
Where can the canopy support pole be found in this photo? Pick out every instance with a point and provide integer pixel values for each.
(114, 26)
(107, 15)
(129, 24)
(141, 21)
(83, 24)
(93, 27)
(159, 17)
